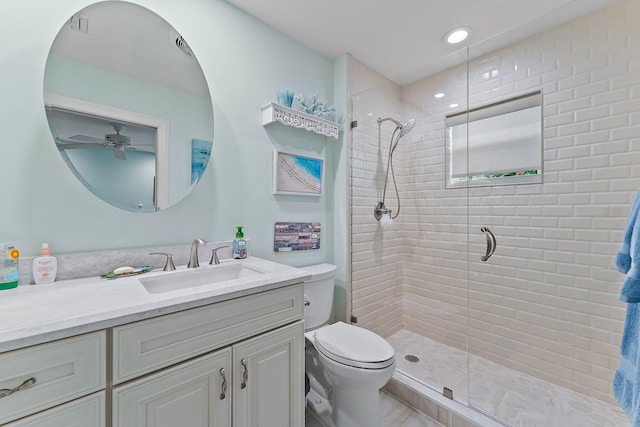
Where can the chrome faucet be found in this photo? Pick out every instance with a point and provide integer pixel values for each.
(193, 257)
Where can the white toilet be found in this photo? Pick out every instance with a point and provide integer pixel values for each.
(346, 366)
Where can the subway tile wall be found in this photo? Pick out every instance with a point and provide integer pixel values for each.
(546, 303)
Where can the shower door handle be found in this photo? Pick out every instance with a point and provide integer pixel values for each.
(491, 243)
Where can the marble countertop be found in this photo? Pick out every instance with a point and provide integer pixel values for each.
(33, 314)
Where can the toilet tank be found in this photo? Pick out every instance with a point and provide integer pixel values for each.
(318, 294)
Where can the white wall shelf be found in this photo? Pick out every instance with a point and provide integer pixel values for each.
(273, 112)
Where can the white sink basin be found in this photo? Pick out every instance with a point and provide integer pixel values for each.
(201, 276)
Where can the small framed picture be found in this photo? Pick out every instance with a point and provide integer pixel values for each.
(296, 236)
(297, 175)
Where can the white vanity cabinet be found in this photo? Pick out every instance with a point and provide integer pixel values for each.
(54, 375)
(235, 363)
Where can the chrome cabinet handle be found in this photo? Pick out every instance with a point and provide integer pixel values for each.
(7, 391)
(491, 243)
(223, 393)
(245, 374)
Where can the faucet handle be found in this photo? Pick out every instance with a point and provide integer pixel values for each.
(214, 255)
(168, 266)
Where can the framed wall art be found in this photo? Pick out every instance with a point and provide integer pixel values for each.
(296, 236)
(299, 175)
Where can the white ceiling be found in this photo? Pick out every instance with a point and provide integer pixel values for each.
(402, 39)
(129, 39)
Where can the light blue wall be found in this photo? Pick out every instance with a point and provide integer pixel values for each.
(125, 183)
(244, 61)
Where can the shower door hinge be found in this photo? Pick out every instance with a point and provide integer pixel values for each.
(354, 319)
(354, 124)
(447, 392)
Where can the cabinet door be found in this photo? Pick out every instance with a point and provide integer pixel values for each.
(188, 395)
(88, 411)
(268, 379)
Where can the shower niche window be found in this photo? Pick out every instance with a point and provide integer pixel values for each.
(496, 144)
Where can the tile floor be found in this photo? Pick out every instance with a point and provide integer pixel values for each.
(396, 414)
(518, 399)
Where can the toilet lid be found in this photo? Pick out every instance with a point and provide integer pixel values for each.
(354, 346)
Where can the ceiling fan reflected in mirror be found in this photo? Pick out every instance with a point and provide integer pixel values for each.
(117, 141)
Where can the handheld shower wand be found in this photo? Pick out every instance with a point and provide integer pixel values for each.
(401, 130)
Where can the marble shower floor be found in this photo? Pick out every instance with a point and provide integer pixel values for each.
(542, 404)
(396, 414)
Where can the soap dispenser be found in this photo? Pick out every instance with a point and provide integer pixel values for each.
(8, 266)
(45, 267)
(239, 245)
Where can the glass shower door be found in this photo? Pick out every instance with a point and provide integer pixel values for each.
(409, 278)
(510, 243)
(543, 317)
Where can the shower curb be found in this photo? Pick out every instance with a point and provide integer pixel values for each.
(433, 404)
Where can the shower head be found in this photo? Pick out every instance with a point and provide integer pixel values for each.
(404, 128)
(407, 127)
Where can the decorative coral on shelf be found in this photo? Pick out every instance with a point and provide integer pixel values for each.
(315, 106)
(285, 97)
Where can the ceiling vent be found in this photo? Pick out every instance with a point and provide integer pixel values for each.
(79, 23)
(181, 43)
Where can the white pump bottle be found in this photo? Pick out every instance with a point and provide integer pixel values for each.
(45, 267)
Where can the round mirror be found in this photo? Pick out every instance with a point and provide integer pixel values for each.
(128, 106)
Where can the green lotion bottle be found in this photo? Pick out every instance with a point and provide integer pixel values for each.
(239, 245)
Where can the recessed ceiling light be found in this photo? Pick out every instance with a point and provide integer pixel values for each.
(453, 105)
(457, 35)
(438, 95)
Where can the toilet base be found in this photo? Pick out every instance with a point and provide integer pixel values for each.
(357, 408)
(320, 407)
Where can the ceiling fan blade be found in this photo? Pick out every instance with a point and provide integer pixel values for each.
(65, 144)
(87, 139)
(79, 145)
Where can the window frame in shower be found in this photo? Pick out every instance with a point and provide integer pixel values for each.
(508, 115)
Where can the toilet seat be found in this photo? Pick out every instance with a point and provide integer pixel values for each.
(354, 346)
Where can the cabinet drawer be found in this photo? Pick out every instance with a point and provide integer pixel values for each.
(63, 370)
(88, 411)
(149, 345)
